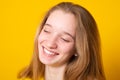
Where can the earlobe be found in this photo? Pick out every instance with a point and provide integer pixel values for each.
(75, 54)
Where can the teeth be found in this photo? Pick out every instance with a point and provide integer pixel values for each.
(48, 52)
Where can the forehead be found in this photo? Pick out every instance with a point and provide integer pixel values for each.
(62, 19)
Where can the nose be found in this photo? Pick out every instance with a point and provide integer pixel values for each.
(51, 43)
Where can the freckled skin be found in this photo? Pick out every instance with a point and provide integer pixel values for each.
(57, 37)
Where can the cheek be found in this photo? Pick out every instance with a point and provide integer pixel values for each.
(40, 38)
(67, 49)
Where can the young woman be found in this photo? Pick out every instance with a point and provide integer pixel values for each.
(67, 46)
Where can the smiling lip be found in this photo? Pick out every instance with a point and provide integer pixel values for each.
(49, 52)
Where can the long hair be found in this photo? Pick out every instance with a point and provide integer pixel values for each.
(87, 65)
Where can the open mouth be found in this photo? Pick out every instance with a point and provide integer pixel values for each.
(49, 53)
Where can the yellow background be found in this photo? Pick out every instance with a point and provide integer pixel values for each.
(19, 20)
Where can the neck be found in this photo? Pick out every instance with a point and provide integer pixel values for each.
(54, 73)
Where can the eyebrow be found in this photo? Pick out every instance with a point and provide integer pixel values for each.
(48, 24)
(64, 31)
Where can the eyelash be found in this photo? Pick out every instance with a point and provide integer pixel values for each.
(46, 31)
(65, 40)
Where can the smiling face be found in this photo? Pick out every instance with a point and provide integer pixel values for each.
(56, 42)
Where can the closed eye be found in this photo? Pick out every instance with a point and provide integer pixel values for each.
(46, 31)
(66, 40)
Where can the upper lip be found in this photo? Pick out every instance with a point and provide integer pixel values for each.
(51, 50)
